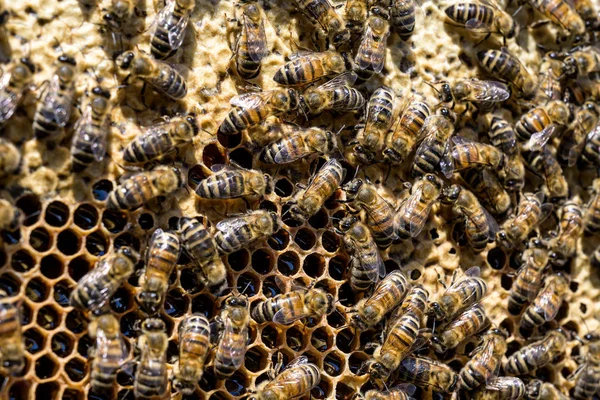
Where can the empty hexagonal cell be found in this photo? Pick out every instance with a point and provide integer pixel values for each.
(295, 339)
(62, 344)
(10, 284)
(25, 313)
(356, 361)
(76, 322)
(21, 261)
(241, 157)
(76, 369)
(196, 174)
(127, 239)
(256, 359)
(37, 290)
(40, 239)
(85, 216)
(330, 241)
(284, 188)
(415, 274)
(48, 390)
(101, 189)
(78, 267)
(262, 261)
(84, 344)
(31, 207)
(72, 394)
(204, 304)
(305, 239)
(238, 260)
(496, 258)
(129, 324)
(247, 284)
(46, 366)
(314, 265)
(176, 303)
(343, 391)
(322, 390)
(68, 242)
(270, 337)
(51, 266)
(344, 340)
(57, 214)
(96, 243)
(336, 319)
(208, 381)
(334, 363)
(321, 339)
(146, 221)
(270, 288)
(19, 390)
(212, 155)
(319, 220)
(121, 301)
(114, 221)
(48, 317)
(62, 291)
(236, 384)
(338, 266)
(288, 263)
(34, 340)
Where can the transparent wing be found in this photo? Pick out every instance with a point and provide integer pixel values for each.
(96, 275)
(492, 224)
(375, 49)
(232, 223)
(410, 208)
(502, 384)
(235, 351)
(8, 99)
(345, 79)
(447, 162)
(545, 303)
(256, 39)
(99, 144)
(296, 362)
(539, 139)
(59, 104)
(104, 347)
(473, 272)
(285, 316)
(374, 270)
(488, 91)
(478, 27)
(251, 100)
(177, 31)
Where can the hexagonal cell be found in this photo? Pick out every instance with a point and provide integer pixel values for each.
(72, 394)
(96, 243)
(57, 214)
(78, 267)
(62, 291)
(288, 263)
(125, 394)
(11, 237)
(146, 221)
(241, 157)
(319, 220)
(34, 340)
(256, 359)
(334, 363)
(40, 239)
(346, 295)
(76, 369)
(338, 266)
(101, 189)
(10, 284)
(176, 303)
(25, 313)
(343, 391)
(208, 381)
(286, 217)
(262, 261)
(46, 367)
(344, 340)
(330, 241)
(305, 239)
(129, 324)
(236, 384)
(247, 284)
(238, 260)
(295, 339)
(270, 337)
(121, 301)
(414, 274)
(86, 216)
(31, 207)
(48, 390)
(84, 344)
(37, 290)
(196, 174)
(390, 265)
(76, 322)
(270, 288)
(204, 304)
(48, 317)
(127, 239)
(51, 266)
(19, 390)
(212, 155)
(188, 280)
(21, 261)
(280, 240)
(314, 265)
(62, 344)
(496, 258)
(322, 390)
(284, 188)
(336, 319)
(230, 141)
(321, 339)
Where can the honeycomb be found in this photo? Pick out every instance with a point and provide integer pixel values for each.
(66, 227)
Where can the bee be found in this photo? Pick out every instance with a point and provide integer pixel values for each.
(414, 211)
(252, 108)
(505, 66)
(502, 388)
(386, 296)
(356, 14)
(286, 308)
(538, 390)
(379, 119)
(201, 246)
(321, 186)
(194, 345)
(488, 190)
(582, 63)
(235, 233)
(231, 182)
(161, 256)
(537, 354)
(336, 95)
(538, 124)
(161, 139)
(367, 265)
(321, 12)
(560, 13)
(467, 153)
(108, 355)
(531, 211)
(13, 85)
(251, 46)
(502, 136)
(54, 111)
(591, 148)
(545, 306)
(299, 143)
(151, 376)
(587, 377)
(233, 326)
(295, 380)
(307, 67)
(119, 13)
(513, 173)
(483, 18)
(170, 22)
(588, 13)
(427, 373)
(433, 153)
(545, 164)
(484, 362)
(550, 73)
(158, 74)
(592, 212)
(462, 294)
(398, 392)
(12, 355)
(9, 216)
(564, 246)
(466, 325)
(98, 285)
(401, 140)
(572, 143)
(10, 158)
(91, 131)
(402, 15)
(370, 56)
(470, 90)
(137, 190)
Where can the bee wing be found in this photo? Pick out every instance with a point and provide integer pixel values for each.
(103, 347)
(473, 272)
(488, 91)
(99, 146)
(476, 26)
(345, 79)
(296, 362)
(309, 55)
(545, 303)
(10, 99)
(251, 100)
(231, 224)
(409, 208)
(235, 352)
(494, 228)
(285, 316)
(372, 273)
(376, 49)
(96, 275)
(60, 104)
(497, 384)
(256, 40)
(177, 32)
(539, 139)
(447, 162)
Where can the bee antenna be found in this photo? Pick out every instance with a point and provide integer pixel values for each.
(246, 288)
(432, 86)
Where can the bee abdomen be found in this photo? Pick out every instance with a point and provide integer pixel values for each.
(222, 186)
(403, 18)
(10, 320)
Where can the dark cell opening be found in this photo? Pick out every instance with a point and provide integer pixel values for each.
(62, 344)
(333, 364)
(101, 189)
(68, 242)
(305, 239)
(506, 282)
(114, 221)
(390, 265)
(279, 240)
(125, 394)
(34, 340)
(255, 360)
(75, 369)
(336, 319)
(189, 281)
(48, 390)
(268, 205)
(121, 301)
(344, 340)
(415, 274)
(3, 258)
(146, 221)
(208, 381)
(127, 239)
(62, 291)
(434, 234)
(196, 174)
(22, 261)
(40, 239)
(286, 217)
(330, 241)
(563, 311)
(230, 141)
(262, 261)
(51, 266)
(48, 318)
(45, 367)
(294, 339)
(78, 267)
(31, 207)
(270, 287)
(57, 214)
(347, 295)
(18, 391)
(9, 284)
(496, 258)
(242, 157)
(583, 308)
(124, 378)
(314, 265)
(343, 392)
(319, 220)
(76, 322)
(86, 216)
(284, 188)
(176, 304)
(247, 284)
(337, 267)
(36, 290)
(238, 260)
(322, 390)
(288, 263)
(129, 324)
(211, 155)
(573, 286)
(84, 344)
(203, 304)
(269, 337)
(321, 339)
(96, 243)
(72, 394)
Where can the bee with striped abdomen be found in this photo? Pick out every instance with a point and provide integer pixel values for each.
(151, 377)
(428, 373)
(370, 56)
(99, 284)
(401, 140)
(194, 345)
(108, 355)
(467, 153)
(561, 13)
(588, 13)
(505, 66)
(286, 308)
(466, 325)
(460, 94)
(12, 353)
(250, 109)
(233, 324)
(488, 190)
(530, 213)
(356, 14)
(386, 296)
(587, 377)
(9, 216)
(238, 232)
(414, 211)
(591, 148)
(321, 186)
(528, 281)
(307, 67)
(159, 140)
(298, 143)
(433, 154)
(54, 110)
(232, 182)
(335, 95)
(251, 45)
(402, 17)
(502, 388)
(483, 18)
(367, 266)
(321, 12)
(295, 380)
(539, 124)
(462, 294)
(543, 162)
(538, 390)
(169, 32)
(397, 392)
(545, 306)
(158, 74)
(537, 354)
(91, 131)
(14, 83)
(573, 142)
(564, 246)
(378, 120)
(502, 135)
(484, 362)
(11, 158)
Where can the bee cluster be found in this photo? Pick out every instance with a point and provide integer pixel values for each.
(188, 213)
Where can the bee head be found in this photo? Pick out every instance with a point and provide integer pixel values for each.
(98, 91)
(269, 184)
(445, 92)
(67, 60)
(533, 389)
(149, 301)
(569, 67)
(358, 322)
(237, 301)
(378, 371)
(124, 60)
(13, 361)
(129, 253)
(347, 223)
(351, 188)
(513, 31)
(450, 194)
(191, 119)
(186, 388)
(342, 38)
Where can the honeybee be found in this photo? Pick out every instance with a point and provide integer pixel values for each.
(587, 376)
(251, 45)
(531, 211)
(161, 256)
(161, 139)
(572, 143)
(591, 148)
(54, 111)
(467, 324)
(379, 119)
(370, 56)
(545, 306)
(470, 90)
(367, 265)
(528, 281)
(537, 354)
(414, 211)
(484, 362)
(356, 14)
(588, 13)
(323, 13)
(462, 294)
(538, 390)
(561, 13)
(158, 74)
(12, 353)
(287, 308)
(99, 284)
(433, 153)
(505, 66)
(483, 18)
(295, 380)
(538, 124)
(502, 388)
(545, 164)
(14, 83)
(10, 158)
(194, 344)
(91, 131)
(427, 373)
(582, 63)
(231, 182)
(9, 216)
(502, 136)
(236, 233)
(401, 140)
(336, 95)
(564, 246)
(233, 326)
(203, 249)
(488, 190)
(592, 212)
(151, 377)
(402, 15)
(170, 23)
(137, 190)
(321, 186)
(386, 296)
(108, 355)
(398, 392)
(119, 13)
(298, 144)
(306, 67)
(470, 154)
(250, 109)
